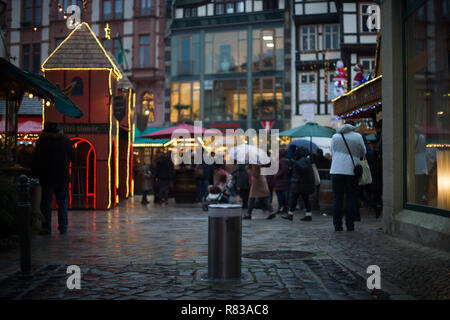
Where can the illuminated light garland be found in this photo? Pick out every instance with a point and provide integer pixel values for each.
(128, 146)
(115, 69)
(357, 88)
(438, 145)
(358, 111)
(94, 194)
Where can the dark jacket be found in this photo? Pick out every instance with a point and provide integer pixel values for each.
(51, 159)
(164, 168)
(242, 177)
(281, 178)
(302, 173)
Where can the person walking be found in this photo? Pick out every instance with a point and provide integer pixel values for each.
(281, 183)
(258, 190)
(146, 183)
(164, 172)
(51, 160)
(242, 184)
(347, 148)
(302, 183)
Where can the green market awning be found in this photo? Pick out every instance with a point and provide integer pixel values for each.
(309, 130)
(15, 82)
(140, 142)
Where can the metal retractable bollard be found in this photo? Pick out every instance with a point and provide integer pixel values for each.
(24, 209)
(224, 242)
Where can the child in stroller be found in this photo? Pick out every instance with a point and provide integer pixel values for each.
(220, 192)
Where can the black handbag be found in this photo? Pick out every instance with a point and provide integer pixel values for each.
(358, 169)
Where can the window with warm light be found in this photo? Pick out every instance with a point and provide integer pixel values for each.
(148, 106)
(428, 106)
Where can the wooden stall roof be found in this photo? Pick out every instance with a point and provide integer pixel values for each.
(81, 50)
(361, 101)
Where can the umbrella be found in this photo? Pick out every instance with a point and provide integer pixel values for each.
(310, 130)
(18, 80)
(182, 129)
(306, 144)
(245, 153)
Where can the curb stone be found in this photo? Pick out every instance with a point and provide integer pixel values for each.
(388, 291)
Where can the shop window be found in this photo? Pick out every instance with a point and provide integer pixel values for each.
(268, 49)
(267, 98)
(226, 52)
(428, 108)
(148, 106)
(185, 101)
(185, 57)
(78, 89)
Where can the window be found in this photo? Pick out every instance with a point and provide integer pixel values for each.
(78, 89)
(226, 52)
(107, 9)
(185, 57)
(331, 37)
(219, 7)
(113, 47)
(270, 4)
(189, 12)
(31, 57)
(268, 49)
(307, 87)
(185, 101)
(364, 17)
(226, 100)
(427, 109)
(26, 57)
(32, 12)
(144, 51)
(64, 4)
(112, 9)
(146, 6)
(267, 98)
(308, 38)
(148, 106)
(368, 64)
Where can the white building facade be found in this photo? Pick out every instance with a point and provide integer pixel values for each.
(324, 33)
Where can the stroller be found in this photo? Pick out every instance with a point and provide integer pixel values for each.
(219, 193)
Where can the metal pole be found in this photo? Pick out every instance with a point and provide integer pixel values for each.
(24, 211)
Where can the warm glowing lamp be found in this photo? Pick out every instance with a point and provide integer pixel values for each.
(443, 177)
(30, 96)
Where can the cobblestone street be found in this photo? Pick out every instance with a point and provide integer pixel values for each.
(137, 252)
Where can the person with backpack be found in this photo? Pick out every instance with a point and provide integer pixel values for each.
(302, 183)
(347, 148)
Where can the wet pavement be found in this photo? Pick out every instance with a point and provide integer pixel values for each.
(154, 252)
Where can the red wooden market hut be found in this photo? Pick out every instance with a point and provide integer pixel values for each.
(101, 174)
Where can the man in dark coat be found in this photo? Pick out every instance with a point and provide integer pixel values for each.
(51, 160)
(164, 172)
(302, 182)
